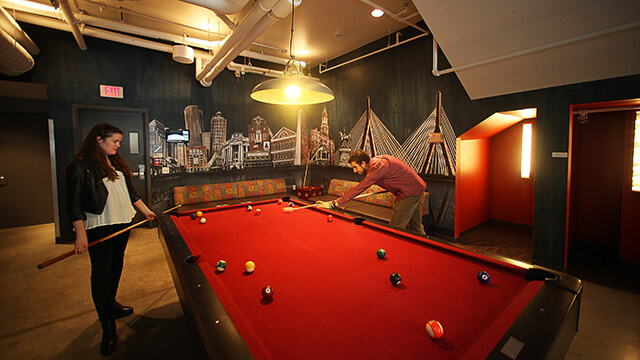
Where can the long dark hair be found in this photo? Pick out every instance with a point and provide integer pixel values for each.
(91, 151)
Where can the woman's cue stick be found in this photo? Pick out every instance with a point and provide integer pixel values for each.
(67, 254)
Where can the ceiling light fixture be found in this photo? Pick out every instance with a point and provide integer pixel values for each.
(376, 13)
(294, 88)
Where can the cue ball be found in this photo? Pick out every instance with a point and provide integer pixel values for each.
(381, 253)
(248, 207)
(267, 292)
(434, 329)
(258, 211)
(329, 218)
(199, 214)
(483, 277)
(249, 266)
(203, 220)
(395, 279)
(193, 216)
(221, 265)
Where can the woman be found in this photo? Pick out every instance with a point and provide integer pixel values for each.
(100, 196)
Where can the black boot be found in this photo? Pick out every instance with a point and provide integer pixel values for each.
(109, 337)
(120, 311)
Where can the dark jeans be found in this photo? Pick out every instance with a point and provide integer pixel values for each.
(107, 260)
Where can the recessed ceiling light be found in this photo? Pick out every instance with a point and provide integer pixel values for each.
(376, 13)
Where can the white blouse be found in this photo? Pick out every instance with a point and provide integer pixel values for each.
(118, 209)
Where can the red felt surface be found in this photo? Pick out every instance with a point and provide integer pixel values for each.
(332, 295)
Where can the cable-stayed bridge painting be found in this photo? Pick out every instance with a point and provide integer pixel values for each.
(430, 150)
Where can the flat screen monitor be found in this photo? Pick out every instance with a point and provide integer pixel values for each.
(178, 135)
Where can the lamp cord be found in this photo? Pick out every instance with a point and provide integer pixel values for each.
(293, 9)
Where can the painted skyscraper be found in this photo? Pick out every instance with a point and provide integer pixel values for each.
(194, 122)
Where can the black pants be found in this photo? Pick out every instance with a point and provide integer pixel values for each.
(107, 260)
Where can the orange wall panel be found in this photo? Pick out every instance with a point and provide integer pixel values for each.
(512, 196)
(473, 184)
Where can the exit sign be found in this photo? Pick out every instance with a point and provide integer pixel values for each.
(111, 91)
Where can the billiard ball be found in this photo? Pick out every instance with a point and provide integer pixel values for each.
(279, 201)
(203, 220)
(193, 216)
(258, 211)
(329, 218)
(483, 277)
(395, 279)
(199, 214)
(434, 329)
(381, 253)
(221, 265)
(290, 203)
(249, 208)
(267, 292)
(250, 266)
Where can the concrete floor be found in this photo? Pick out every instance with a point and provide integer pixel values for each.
(48, 313)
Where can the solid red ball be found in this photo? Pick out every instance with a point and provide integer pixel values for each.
(329, 218)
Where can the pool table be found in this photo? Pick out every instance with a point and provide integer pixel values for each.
(332, 294)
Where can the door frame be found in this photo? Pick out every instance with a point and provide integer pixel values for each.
(77, 142)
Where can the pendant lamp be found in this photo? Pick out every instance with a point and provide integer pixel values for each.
(293, 88)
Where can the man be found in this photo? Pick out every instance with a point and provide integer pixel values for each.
(395, 176)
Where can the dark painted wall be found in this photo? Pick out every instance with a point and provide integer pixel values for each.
(399, 82)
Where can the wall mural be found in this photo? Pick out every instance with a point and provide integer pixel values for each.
(430, 150)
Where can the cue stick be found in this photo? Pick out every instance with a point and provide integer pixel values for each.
(370, 194)
(300, 208)
(69, 253)
(359, 196)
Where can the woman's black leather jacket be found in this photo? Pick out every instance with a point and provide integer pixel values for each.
(86, 191)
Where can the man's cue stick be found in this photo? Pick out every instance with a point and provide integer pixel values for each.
(316, 204)
(67, 254)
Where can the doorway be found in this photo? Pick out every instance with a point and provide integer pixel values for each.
(602, 209)
(133, 149)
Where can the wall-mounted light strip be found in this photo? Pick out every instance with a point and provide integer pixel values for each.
(635, 177)
(525, 165)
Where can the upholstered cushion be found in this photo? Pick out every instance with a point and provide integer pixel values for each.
(195, 194)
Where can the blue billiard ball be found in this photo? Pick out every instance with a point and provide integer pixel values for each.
(193, 216)
(483, 277)
(290, 203)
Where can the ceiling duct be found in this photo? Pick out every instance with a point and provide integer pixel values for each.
(16, 47)
(73, 23)
(247, 23)
(278, 11)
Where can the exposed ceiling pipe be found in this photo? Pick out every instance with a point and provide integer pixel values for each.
(221, 6)
(135, 30)
(54, 23)
(14, 59)
(397, 43)
(247, 23)
(280, 10)
(12, 28)
(104, 34)
(394, 15)
(73, 23)
(241, 69)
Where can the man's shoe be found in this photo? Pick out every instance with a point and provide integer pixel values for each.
(120, 311)
(109, 337)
